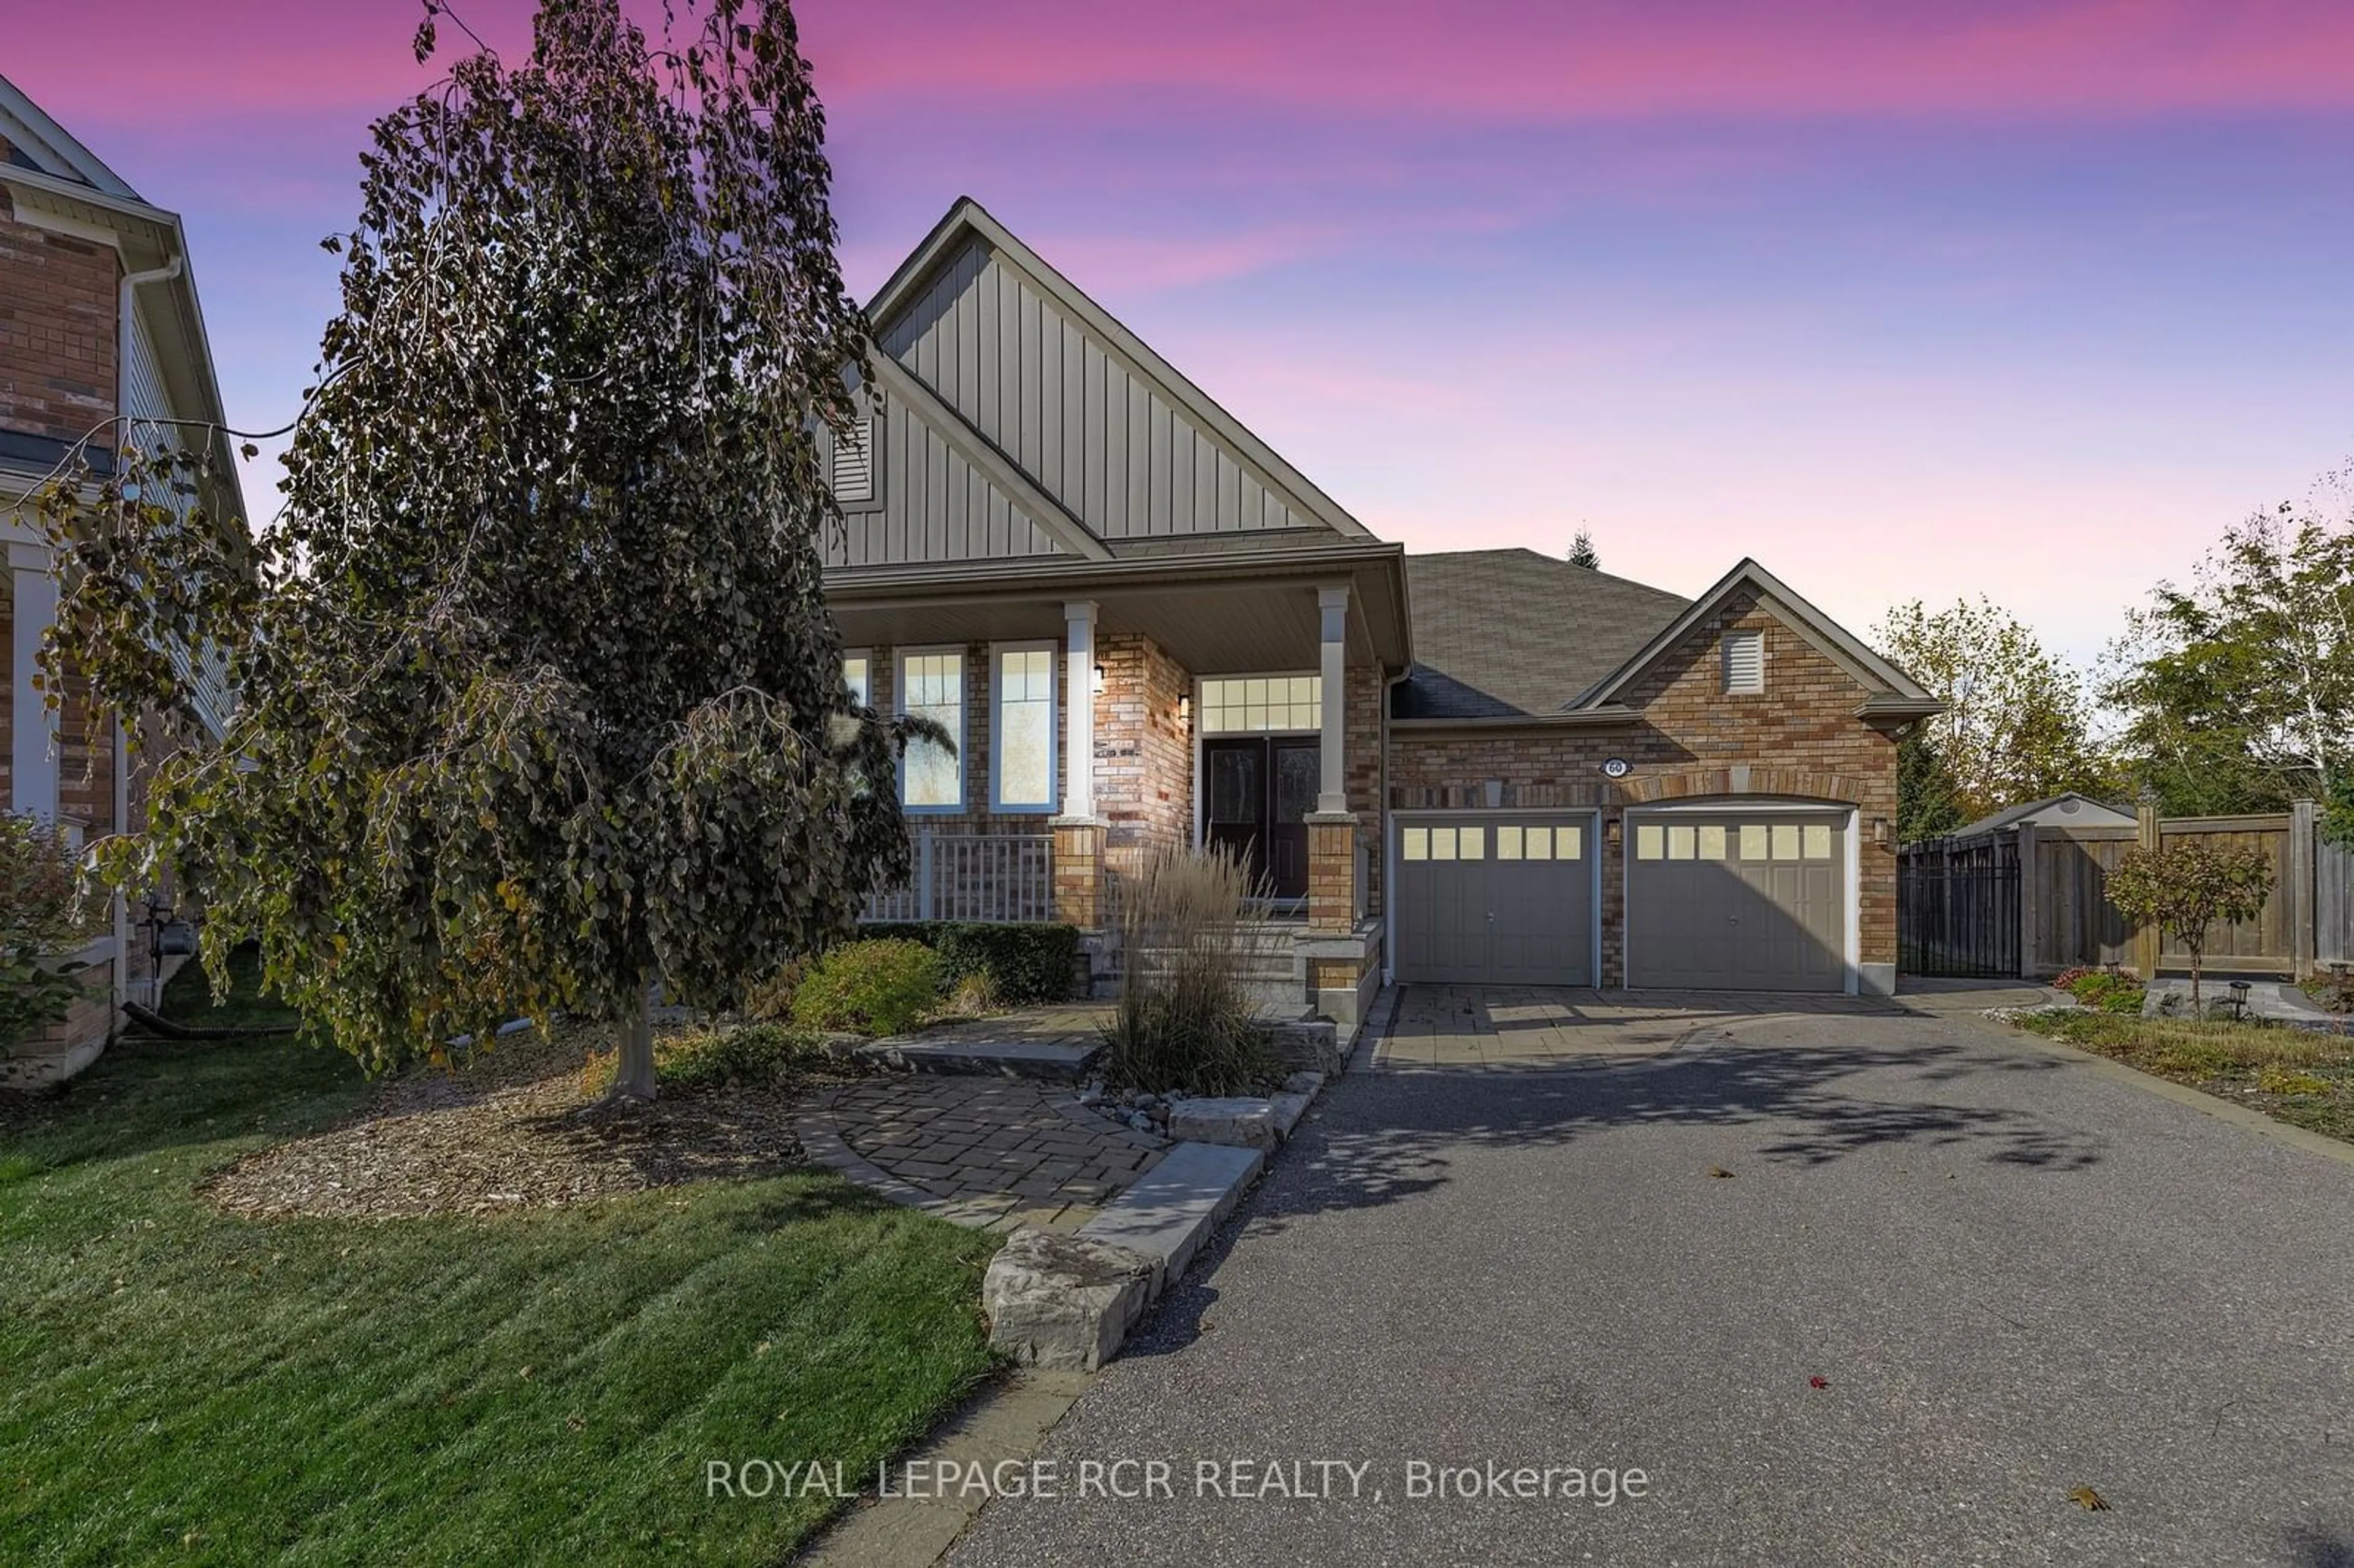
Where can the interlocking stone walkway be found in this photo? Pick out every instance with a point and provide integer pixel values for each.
(1066, 1024)
(1538, 1027)
(979, 1150)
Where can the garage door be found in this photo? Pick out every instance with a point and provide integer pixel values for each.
(1497, 900)
(1742, 901)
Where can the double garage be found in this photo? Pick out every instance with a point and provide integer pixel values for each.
(1714, 898)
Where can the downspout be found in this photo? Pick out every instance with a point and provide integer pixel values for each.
(125, 335)
(1390, 685)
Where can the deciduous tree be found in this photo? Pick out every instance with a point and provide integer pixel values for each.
(2017, 724)
(540, 701)
(2238, 691)
(2187, 886)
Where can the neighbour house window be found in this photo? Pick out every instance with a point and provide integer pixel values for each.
(1745, 661)
(855, 675)
(1254, 704)
(854, 464)
(931, 685)
(1021, 732)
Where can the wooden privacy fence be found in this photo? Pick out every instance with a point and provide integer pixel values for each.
(2065, 919)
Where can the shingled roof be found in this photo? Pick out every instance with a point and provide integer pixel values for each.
(1511, 633)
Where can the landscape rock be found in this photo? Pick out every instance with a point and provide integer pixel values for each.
(1303, 1083)
(1239, 1123)
(1139, 1121)
(1064, 1301)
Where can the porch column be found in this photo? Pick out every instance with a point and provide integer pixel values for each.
(1332, 827)
(1079, 709)
(32, 755)
(1078, 836)
(1333, 604)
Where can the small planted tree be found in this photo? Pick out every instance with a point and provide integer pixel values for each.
(2185, 888)
(43, 911)
(539, 702)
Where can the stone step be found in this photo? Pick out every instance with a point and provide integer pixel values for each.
(1067, 1063)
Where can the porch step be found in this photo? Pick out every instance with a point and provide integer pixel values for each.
(1013, 1059)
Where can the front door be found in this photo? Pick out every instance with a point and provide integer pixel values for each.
(1259, 792)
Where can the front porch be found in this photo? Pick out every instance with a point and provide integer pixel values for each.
(1162, 710)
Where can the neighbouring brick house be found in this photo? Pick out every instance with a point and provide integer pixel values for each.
(99, 322)
(1148, 628)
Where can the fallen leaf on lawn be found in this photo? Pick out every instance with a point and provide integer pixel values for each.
(576, 1422)
(1819, 1382)
(1720, 1173)
(526, 1372)
(2086, 1498)
(761, 1349)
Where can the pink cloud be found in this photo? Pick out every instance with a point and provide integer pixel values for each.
(1501, 60)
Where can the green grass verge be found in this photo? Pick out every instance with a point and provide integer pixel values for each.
(179, 1385)
(2293, 1075)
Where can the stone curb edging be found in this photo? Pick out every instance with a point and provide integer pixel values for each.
(1066, 1301)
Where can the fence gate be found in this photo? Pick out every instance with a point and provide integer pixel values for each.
(1958, 908)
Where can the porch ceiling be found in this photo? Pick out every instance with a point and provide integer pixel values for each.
(1214, 622)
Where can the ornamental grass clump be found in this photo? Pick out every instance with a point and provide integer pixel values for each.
(1185, 1019)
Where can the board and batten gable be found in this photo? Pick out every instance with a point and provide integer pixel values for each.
(1125, 454)
(929, 501)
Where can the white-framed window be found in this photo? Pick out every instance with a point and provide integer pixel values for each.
(931, 685)
(1744, 663)
(1258, 704)
(858, 675)
(1022, 728)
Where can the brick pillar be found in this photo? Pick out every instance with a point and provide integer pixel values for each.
(1079, 871)
(1331, 871)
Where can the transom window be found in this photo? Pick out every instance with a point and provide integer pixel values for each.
(1022, 756)
(1757, 843)
(931, 685)
(1254, 704)
(1514, 840)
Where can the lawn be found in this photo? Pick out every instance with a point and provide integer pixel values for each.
(178, 1386)
(2294, 1075)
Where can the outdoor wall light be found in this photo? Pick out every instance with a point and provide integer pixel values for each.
(1880, 831)
(1100, 678)
(1611, 833)
(1184, 709)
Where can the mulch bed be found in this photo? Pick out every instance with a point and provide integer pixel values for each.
(517, 1128)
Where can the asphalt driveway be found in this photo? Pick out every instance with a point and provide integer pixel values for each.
(2013, 1274)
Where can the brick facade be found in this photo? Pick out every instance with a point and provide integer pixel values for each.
(1144, 747)
(1799, 737)
(58, 328)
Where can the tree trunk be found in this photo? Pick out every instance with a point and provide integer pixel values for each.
(2195, 953)
(633, 1074)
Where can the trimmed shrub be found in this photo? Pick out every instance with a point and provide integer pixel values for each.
(749, 1053)
(1185, 1019)
(881, 987)
(1026, 964)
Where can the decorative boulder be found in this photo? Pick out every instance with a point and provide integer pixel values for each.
(1064, 1301)
(1238, 1123)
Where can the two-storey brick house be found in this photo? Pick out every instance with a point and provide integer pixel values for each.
(98, 322)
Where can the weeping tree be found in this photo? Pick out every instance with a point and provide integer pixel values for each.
(539, 702)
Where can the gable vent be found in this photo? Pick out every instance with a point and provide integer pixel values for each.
(853, 463)
(1745, 661)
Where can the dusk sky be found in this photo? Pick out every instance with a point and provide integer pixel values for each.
(1903, 298)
